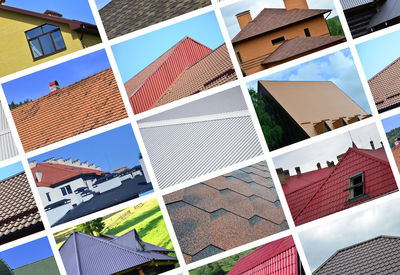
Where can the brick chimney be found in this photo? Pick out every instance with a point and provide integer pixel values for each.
(330, 164)
(53, 13)
(319, 165)
(372, 145)
(243, 18)
(282, 175)
(295, 4)
(54, 87)
(298, 171)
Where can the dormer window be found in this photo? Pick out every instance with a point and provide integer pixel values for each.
(356, 188)
(45, 40)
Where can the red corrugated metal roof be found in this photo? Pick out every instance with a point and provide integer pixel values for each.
(278, 257)
(148, 86)
(55, 173)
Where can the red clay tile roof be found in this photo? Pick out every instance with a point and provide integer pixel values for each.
(147, 87)
(325, 197)
(74, 109)
(225, 212)
(385, 87)
(277, 257)
(271, 19)
(301, 45)
(53, 174)
(19, 215)
(210, 71)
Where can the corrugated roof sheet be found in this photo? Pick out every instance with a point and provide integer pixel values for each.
(121, 16)
(7, 146)
(18, 211)
(225, 212)
(271, 19)
(389, 10)
(187, 145)
(275, 258)
(379, 255)
(385, 87)
(74, 109)
(349, 4)
(89, 255)
(47, 266)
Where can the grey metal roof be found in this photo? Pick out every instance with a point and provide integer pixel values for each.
(200, 137)
(376, 256)
(83, 254)
(7, 147)
(349, 4)
(389, 10)
(4, 268)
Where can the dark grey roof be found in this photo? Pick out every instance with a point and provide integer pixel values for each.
(349, 4)
(376, 256)
(89, 255)
(124, 16)
(389, 10)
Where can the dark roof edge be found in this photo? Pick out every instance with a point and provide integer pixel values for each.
(384, 69)
(36, 262)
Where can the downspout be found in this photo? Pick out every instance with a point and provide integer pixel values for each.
(81, 38)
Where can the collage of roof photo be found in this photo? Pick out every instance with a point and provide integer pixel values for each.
(199, 137)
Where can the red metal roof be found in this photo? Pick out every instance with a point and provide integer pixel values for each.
(327, 196)
(278, 257)
(55, 173)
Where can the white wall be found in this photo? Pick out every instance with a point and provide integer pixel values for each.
(108, 185)
(55, 214)
(146, 175)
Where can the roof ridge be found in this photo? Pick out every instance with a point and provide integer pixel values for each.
(35, 261)
(384, 69)
(369, 156)
(12, 176)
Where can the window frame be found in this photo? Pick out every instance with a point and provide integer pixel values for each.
(352, 186)
(307, 32)
(48, 196)
(66, 189)
(40, 44)
(278, 40)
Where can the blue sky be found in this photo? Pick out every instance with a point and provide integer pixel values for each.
(134, 55)
(337, 67)
(391, 123)
(11, 170)
(36, 85)
(102, 3)
(108, 150)
(376, 54)
(256, 6)
(71, 9)
(27, 253)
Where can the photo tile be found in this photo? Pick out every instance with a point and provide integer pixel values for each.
(65, 100)
(373, 234)
(18, 211)
(36, 32)
(225, 212)
(35, 257)
(133, 240)
(200, 137)
(7, 144)
(280, 31)
(309, 99)
(120, 17)
(380, 58)
(276, 257)
(368, 16)
(392, 127)
(357, 170)
(90, 175)
(175, 62)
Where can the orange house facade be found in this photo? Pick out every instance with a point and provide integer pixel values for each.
(276, 36)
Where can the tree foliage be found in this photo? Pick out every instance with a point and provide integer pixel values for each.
(92, 227)
(392, 135)
(14, 105)
(335, 28)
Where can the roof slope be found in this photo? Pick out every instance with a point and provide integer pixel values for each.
(4, 268)
(7, 146)
(74, 109)
(18, 210)
(277, 257)
(122, 16)
(349, 4)
(310, 102)
(301, 45)
(189, 141)
(210, 71)
(396, 155)
(150, 84)
(379, 255)
(385, 86)
(225, 212)
(390, 9)
(47, 266)
(86, 254)
(53, 174)
(271, 19)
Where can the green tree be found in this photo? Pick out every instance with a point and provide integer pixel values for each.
(335, 28)
(14, 105)
(93, 227)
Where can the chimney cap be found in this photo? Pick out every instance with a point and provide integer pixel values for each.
(243, 13)
(51, 13)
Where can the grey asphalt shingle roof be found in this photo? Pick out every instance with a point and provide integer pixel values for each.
(124, 16)
(376, 256)
(349, 4)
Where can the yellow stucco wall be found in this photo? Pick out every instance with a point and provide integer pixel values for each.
(15, 53)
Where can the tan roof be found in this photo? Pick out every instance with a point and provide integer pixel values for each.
(301, 45)
(385, 87)
(212, 70)
(396, 155)
(74, 109)
(272, 19)
(310, 102)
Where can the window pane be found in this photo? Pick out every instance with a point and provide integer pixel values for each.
(58, 40)
(47, 44)
(63, 191)
(69, 190)
(47, 28)
(35, 46)
(34, 32)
